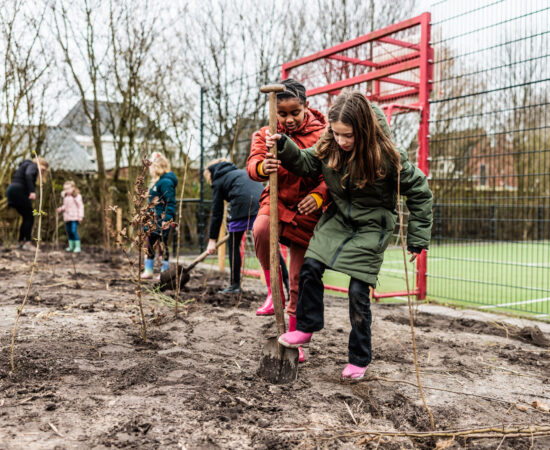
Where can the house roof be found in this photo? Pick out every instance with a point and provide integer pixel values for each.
(63, 152)
(109, 112)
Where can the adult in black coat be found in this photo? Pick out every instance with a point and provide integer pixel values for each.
(232, 185)
(21, 192)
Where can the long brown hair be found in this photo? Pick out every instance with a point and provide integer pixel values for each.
(365, 162)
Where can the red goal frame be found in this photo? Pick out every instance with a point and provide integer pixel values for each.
(388, 83)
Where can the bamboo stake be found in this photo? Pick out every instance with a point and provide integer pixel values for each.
(33, 268)
(411, 317)
(178, 275)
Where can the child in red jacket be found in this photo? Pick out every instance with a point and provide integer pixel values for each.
(300, 198)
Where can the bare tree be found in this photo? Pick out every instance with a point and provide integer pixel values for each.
(21, 94)
(132, 38)
(90, 51)
(239, 52)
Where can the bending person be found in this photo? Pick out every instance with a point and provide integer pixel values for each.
(232, 185)
(20, 194)
(360, 165)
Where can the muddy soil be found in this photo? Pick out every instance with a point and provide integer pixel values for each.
(85, 379)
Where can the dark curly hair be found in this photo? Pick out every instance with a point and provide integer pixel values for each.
(294, 89)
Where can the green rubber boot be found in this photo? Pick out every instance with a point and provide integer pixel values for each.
(76, 246)
(70, 248)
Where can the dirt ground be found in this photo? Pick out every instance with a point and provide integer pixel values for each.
(85, 379)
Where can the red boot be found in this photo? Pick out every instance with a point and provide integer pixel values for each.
(292, 327)
(267, 308)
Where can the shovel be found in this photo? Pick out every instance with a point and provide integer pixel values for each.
(278, 364)
(168, 278)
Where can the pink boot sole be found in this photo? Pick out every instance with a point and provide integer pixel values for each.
(295, 339)
(352, 372)
(301, 355)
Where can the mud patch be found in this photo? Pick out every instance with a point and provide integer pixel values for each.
(83, 368)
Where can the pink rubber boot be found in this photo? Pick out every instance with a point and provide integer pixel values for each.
(292, 327)
(352, 372)
(294, 339)
(267, 308)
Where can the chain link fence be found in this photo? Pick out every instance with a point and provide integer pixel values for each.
(489, 148)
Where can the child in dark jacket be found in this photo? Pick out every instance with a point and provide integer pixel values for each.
(230, 184)
(360, 166)
(234, 186)
(163, 195)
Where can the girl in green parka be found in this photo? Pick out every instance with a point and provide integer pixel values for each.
(360, 166)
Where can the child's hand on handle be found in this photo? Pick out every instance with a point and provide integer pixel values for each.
(32, 196)
(307, 205)
(271, 140)
(211, 248)
(270, 164)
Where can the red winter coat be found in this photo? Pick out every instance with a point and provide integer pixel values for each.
(296, 227)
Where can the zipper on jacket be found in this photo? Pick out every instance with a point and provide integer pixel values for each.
(349, 238)
(344, 242)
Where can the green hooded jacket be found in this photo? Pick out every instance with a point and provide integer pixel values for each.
(353, 233)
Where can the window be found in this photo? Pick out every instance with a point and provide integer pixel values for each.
(482, 175)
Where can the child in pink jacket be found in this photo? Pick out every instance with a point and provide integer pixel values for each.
(73, 213)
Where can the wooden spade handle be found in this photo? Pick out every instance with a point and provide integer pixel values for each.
(274, 262)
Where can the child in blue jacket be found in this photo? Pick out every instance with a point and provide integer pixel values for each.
(164, 190)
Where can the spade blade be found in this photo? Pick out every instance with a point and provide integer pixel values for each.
(279, 365)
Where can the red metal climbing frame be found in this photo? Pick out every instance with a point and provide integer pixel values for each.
(394, 67)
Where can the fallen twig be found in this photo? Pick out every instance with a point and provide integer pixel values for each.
(351, 413)
(389, 380)
(55, 430)
(488, 432)
(508, 370)
(474, 433)
(61, 283)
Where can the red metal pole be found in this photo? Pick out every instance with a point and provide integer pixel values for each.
(426, 67)
(373, 36)
(284, 73)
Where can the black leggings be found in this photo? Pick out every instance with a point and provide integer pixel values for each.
(18, 198)
(310, 310)
(161, 240)
(235, 262)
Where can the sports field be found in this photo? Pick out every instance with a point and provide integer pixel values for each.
(514, 277)
(509, 277)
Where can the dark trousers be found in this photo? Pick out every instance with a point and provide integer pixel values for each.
(310, 310)
(72, 230)
(235, 261)
(18, 198)
(155, 239)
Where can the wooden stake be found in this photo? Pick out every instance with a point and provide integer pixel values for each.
(221, 248)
